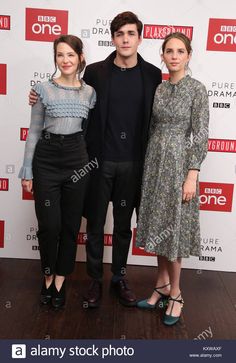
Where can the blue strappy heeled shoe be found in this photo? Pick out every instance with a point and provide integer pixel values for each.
(170, 319)
(161, 302)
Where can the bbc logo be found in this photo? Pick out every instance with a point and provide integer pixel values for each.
(105, 43)
(18, 351)
(35, 248)
(221, 105)
(207, 258)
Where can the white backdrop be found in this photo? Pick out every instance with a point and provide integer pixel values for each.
(26, 57)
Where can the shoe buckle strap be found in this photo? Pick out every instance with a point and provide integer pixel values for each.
(181, 301)
(161, 287)
(160, 293)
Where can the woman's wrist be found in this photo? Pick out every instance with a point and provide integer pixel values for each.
(192, 175)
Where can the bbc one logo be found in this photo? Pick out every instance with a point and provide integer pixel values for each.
(45, 25)
(222, 35)
(216, 196)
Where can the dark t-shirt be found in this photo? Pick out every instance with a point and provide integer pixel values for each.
(125, 115)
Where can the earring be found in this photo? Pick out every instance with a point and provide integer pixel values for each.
(162, 65)
(187, 69)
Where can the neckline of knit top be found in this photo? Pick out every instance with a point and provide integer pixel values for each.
(52, 81)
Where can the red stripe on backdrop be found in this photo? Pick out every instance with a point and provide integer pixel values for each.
(1, 234)
(3, 79)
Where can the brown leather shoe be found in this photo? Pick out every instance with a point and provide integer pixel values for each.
(124, 293)
(93, 295)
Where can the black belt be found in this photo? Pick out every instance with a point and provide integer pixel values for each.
(50, 136)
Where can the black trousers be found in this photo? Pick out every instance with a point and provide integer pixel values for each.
(120, 183)
(59, 197)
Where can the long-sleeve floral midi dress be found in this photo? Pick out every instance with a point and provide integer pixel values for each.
(178, 142)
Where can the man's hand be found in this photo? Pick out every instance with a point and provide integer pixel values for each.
(33, 97)
(27, 185)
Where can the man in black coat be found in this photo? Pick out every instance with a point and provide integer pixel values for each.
(116, 136)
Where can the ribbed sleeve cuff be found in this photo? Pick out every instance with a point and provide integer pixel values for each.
(25, 173)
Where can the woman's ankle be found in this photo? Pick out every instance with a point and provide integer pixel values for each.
(59, 280)
(175, 293)
(48, 280)
(163, 286)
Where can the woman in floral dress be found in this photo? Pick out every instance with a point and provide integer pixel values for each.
(168, 222)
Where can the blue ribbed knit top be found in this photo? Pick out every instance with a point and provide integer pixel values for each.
(60, 110)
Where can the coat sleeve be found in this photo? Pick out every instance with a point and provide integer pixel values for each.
(200, 122)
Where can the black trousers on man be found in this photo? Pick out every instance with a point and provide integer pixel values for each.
(59, 198)
(118, 182)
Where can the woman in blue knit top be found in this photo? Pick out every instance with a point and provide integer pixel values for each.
(55, 167)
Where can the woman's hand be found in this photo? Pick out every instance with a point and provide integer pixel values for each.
(33, 97)
(27, 185)
(190, 186)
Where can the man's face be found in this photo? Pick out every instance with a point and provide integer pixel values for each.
(127, 40)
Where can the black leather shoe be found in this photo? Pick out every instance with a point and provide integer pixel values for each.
(93, 296)
(124, 293)
(59, 297)
(46, 293)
